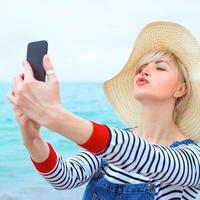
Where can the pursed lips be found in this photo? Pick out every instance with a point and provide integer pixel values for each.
(142, 81)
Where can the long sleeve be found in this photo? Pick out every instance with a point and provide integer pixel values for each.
(69, 173)
(176, 166)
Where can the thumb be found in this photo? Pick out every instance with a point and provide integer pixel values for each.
(48, 67)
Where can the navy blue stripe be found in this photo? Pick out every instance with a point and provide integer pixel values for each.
(123, 165)
(119, 148)
(125, 149)
(136, 154)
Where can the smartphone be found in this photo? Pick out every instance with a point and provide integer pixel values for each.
(35, 53)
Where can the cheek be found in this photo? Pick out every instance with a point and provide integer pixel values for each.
(166, 84)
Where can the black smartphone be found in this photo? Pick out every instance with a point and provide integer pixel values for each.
(35, 53)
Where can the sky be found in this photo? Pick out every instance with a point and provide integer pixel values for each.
(89, 40)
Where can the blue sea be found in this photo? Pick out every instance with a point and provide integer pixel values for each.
(18, 178)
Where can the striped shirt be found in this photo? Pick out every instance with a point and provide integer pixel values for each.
(174, 170)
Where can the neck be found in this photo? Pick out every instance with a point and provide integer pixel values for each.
(157, 125)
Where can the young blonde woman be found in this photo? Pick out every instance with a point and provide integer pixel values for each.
(156, 94)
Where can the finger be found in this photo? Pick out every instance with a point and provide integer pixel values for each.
(28, 72)
(14, 88)
(18, 112)
(11, 97)
(22, 76)
(17, 84)
(48, 67)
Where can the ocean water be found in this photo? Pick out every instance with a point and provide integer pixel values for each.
(18, 178)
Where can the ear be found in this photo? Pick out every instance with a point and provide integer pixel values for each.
(181, 90)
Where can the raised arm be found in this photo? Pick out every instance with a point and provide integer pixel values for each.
(180, 165)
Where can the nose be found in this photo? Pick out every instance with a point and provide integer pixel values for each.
(146, 71)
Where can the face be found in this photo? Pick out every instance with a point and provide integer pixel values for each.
(162, 77)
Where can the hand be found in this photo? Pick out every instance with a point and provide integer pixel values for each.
(40, 102)
(29, 128)
(37, 147)
(35, 99)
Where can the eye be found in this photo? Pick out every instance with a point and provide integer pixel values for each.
(161, 66)
(162, 69)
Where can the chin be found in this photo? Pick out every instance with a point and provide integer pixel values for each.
(144, 97)
(141, 95)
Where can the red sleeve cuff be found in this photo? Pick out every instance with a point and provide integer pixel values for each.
(99, 139)
(49, 164)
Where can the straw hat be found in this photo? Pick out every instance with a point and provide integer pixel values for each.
(164, 36)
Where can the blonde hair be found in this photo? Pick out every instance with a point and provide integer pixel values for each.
(183, 77)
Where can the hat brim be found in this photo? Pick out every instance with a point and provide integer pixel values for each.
(163, 36)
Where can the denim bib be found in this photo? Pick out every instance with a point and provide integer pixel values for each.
(100, 188)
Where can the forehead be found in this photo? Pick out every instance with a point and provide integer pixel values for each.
(156, 55)
(170, 63)
(167, 61)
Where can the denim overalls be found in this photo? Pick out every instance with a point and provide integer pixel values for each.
(100, 188)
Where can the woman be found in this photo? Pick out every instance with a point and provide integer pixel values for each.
(156, 94)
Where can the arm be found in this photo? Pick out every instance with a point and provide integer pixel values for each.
(59, 173)
(68, 125)
(78, 129)
(70, 173)
(38, 103)
(176, 166)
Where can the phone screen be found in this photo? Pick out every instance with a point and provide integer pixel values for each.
(35, 53)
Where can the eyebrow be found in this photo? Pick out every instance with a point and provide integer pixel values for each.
(159, 61)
